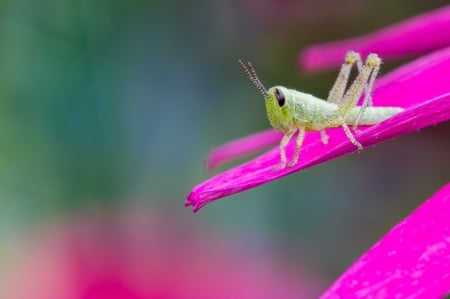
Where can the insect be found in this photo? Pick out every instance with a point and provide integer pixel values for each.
(290, 110)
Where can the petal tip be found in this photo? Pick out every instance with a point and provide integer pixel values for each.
(305, 60)
(191, 201)
(210, 163)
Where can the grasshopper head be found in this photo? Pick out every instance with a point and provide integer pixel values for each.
(277, 98)
(279, 110)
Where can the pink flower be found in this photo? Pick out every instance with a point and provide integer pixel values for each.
(411, 261)
(417, 35)
(422, 87)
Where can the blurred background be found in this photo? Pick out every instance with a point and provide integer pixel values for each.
(107, 112)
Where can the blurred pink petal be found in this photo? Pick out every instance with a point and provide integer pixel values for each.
(422, 87)
(147, 254)
(411, 261)
(417, 35)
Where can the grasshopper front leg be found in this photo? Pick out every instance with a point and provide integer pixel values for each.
(283, 143)
(298, 145)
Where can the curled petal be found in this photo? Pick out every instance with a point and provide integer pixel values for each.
(411, 261)
(421, 87)
(417, 35)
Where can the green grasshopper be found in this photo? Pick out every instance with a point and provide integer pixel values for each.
(290, 110)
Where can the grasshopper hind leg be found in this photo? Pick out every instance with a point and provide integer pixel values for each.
(336, 93)
(363, 83)
(351, 137)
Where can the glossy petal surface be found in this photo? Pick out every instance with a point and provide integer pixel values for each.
(411, 261)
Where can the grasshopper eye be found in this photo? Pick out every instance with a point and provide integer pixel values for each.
(280, 97)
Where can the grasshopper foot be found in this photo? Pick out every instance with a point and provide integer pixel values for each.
(292, 163)
(279, 167)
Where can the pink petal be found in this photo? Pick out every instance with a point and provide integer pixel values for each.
(242, 147)
(411, 261)
(417, 35)
(422, 87)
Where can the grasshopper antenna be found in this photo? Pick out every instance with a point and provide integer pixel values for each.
(251, 74)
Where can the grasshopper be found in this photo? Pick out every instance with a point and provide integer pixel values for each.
(289, 110)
